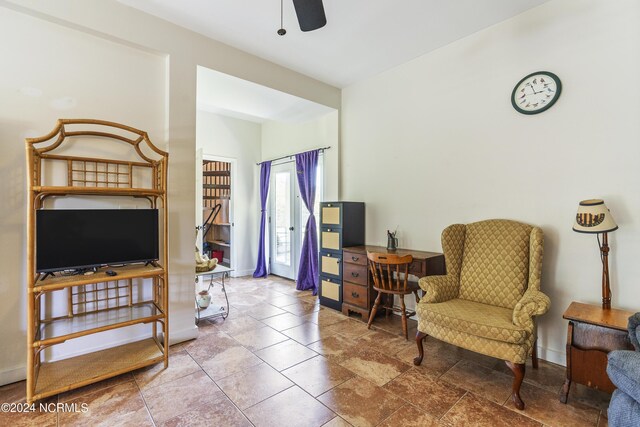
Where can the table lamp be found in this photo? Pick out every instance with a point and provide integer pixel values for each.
(593, 217)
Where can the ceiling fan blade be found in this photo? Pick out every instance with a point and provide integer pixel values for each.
(310, 14)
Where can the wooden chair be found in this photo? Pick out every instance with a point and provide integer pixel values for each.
(383, 267)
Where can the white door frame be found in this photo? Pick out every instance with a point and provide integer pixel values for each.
(295, 215)
(232, 235)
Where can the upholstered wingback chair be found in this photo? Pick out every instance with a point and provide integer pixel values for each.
(488, 299)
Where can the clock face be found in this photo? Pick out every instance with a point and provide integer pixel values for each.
(536, 92)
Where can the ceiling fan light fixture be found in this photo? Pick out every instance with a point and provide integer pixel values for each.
(310, 13)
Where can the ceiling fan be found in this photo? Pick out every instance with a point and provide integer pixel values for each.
(310, 15)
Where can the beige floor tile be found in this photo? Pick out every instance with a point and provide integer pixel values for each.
(348, 328)
(257, 339)
(434, 363)
(393, 324)
(306, 333)
(285, 354)
(16, 393)
(589, 396)
(282, 300)
(263, 311)
(337, 422)
(207, 345)
(324, 317)
(118, 405)
(301, 308)
(431, 395)
(230, 361)
(253, 385)
(239, 324)
(218, 412)
(284, 321)
(409, 416)
(384, 342)
(548, 375)
(361, 403)
(318, 375)
(482, 381)
(292, 407)
(180, 365)
(336, 348)
(177, 397)
(475, 411)
(544, 406)
(376, 367)
(101, 385)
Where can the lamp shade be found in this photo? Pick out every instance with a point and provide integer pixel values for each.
(594, 217)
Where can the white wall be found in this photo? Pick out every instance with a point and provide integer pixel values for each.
(280, 139)
(183, 51)
(240, 140)
(87, 80)
(442, 126)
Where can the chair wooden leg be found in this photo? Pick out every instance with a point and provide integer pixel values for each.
(417, 297)
(374, 310)
(404, 319)
(420, 336)
(518, 370)
(534, 355)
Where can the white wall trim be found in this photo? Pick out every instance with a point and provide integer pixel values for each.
(242, 273)
(12, 375)
(184, 335)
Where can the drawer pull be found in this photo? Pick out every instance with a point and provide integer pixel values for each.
(355, 294)
(329, 230)
(355, 258)
(354, 274)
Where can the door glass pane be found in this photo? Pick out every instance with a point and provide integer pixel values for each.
(283, 217)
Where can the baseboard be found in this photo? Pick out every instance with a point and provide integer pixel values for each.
(242, 273)
(13, 375)
(553, 356)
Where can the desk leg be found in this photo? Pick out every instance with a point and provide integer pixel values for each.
(564, 393)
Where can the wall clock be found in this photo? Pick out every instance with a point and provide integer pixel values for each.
(536, 92)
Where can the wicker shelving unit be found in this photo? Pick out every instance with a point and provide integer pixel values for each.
(97, 302)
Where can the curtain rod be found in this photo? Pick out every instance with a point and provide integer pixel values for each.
(291, 155)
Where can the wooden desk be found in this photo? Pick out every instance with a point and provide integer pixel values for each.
(593, 332)
(358, 295)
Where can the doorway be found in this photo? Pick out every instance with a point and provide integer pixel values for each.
(288, 217)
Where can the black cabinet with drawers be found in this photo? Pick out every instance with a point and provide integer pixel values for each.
(341, 225)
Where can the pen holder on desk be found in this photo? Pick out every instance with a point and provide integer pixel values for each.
(392, 242)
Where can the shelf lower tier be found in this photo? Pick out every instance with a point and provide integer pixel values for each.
(132, 271)
(64, 328)
(68, 374)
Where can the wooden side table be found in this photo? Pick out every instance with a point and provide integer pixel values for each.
(593, 332)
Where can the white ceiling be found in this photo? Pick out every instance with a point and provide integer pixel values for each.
(230, 96)
(362, 38)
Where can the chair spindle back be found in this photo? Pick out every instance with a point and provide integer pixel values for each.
(383, 267)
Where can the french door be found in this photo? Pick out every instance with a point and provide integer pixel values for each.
(287, 218)
(283, 230)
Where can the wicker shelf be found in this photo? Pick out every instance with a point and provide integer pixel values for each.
(94, 302)
(133, 271)
(64, 328)
(67, 374)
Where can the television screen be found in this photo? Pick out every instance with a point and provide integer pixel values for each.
(82, 238)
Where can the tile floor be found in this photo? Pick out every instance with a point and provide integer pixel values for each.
(280, 359)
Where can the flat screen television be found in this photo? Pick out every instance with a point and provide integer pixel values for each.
(85, 238)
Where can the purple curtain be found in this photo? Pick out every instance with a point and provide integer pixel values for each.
(306, 166)
(265, 173)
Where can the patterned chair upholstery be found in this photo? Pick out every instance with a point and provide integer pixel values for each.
(490, 295)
